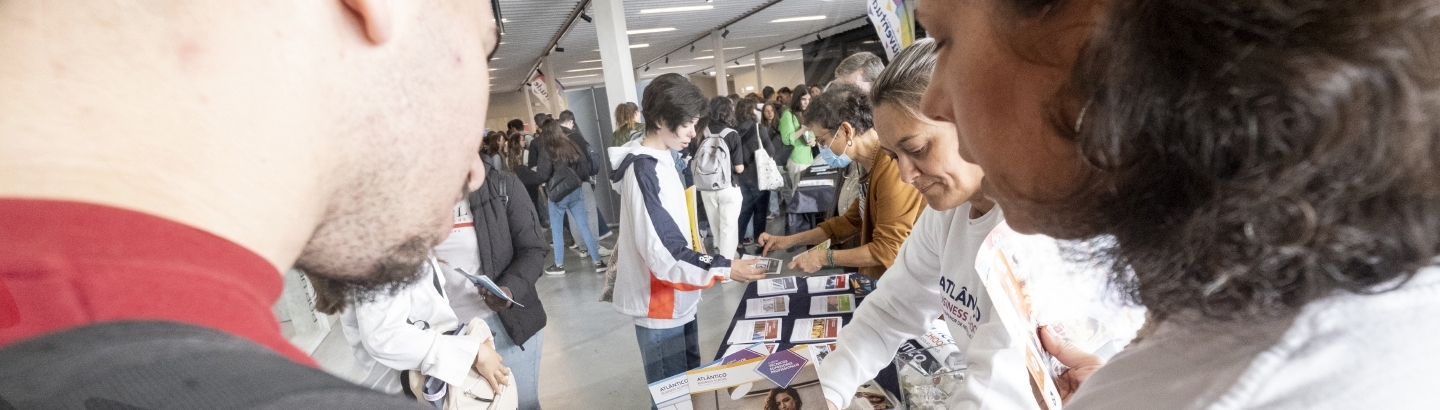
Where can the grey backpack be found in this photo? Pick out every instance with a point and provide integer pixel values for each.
(711, 165)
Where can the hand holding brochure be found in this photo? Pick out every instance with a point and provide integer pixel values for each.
(771, 266)
(489, 285)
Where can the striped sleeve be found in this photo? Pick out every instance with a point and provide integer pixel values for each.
(668, 254)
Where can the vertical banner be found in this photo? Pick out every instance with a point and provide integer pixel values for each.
(537, 87)
(894, 22)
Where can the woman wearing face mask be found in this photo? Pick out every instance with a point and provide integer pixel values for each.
(883, 216)
(1268, 173)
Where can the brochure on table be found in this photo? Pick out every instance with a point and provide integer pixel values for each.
(816, 329)
(752, 331)
(776, 286)
(828, 283)
(767, 307)
(771, 266)
(832, 304)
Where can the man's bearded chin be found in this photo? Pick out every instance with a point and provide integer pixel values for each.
(400, 266)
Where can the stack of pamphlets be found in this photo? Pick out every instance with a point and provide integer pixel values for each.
(752, 331)
(830, 283)
(767, 307)
(816, 329)
(776, 286)
(832, 304)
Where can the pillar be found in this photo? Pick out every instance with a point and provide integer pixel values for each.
(618, 69)
(718, 44)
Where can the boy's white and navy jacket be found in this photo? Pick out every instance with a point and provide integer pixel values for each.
(659, 275)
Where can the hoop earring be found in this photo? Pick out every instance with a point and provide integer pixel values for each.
(1080, 119)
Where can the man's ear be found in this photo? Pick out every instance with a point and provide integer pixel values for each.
(376, 16)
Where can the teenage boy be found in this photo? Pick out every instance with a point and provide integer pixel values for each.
(659, 275)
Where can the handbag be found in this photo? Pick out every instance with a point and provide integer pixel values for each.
(563, 181)
(472, 394)
(766, 172)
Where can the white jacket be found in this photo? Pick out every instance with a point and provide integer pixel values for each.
(934, 276)
(659, 275)
(1345, 352)
(404, 331)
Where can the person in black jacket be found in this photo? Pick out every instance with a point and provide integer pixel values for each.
(593, 161)
(511, 251)
(755, 203)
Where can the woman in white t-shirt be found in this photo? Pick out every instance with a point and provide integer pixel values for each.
(934, 273)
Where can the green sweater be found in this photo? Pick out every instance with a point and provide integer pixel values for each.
(788, 125)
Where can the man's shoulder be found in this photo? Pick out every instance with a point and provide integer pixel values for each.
(165, 365)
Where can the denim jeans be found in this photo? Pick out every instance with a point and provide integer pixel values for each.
(574, 204)
(597, 221)
(523, 361)
(752, 209)
(668, 352)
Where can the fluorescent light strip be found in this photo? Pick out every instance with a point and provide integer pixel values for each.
(727, 48)
(676, 9)
(589, 61)
(675, 67)
(794, 19)
(649, 30)
(634, 46)
(704, 58)
(584, 69)
(578, 76)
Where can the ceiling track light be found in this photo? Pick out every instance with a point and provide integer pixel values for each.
(725, 33)
(647, 68)
(667, 59)
(782, 47)
(559, 49)
(586, 17)
(692, 48)
(817, 36)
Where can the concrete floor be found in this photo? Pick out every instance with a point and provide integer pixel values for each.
(590, 356)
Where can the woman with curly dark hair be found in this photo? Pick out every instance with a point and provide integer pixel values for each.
(1266, 172)
(783, 398)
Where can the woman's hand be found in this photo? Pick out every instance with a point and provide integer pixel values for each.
(809, 261)
(770, 242)
(1081, 364)
(491, 366)
(744, 271)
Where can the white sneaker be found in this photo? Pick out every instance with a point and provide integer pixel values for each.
(605, 252)
(583, 254)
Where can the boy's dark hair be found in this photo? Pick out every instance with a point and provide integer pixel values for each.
(566, 116)
(515, 125)
(540, 119)
(767, 92)
(843, 103)
(784, 90)
(673, 100)
(721, 112)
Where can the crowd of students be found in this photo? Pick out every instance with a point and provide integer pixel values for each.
(1261, 177)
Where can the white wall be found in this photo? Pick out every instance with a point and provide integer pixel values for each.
(781, 74)
(504, 107)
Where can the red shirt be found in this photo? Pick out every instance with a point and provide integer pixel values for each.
(69, 264)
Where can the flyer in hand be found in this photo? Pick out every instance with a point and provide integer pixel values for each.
(1005, 269)
(770, 266)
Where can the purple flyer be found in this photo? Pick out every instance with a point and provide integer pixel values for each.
(740, 356)
(782, 367)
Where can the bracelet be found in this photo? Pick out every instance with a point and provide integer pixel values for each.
(829, 258)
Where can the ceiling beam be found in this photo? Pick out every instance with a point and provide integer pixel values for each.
(802, 36)
(716, 28)
(555, 41)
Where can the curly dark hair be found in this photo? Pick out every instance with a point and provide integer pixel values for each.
(843, 103)
(1252, 156)
(672, 99)
(772, 404)
(721, 112)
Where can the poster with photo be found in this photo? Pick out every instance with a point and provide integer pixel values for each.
(784, 380)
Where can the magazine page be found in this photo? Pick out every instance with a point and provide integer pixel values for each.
(828, 283)
(1003, 267)
(816, 329)
(767, 307)
(832, 304)
(751, 331)
(672, 393)
(776, 286)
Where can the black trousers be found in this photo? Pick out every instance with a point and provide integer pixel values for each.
(754, 205)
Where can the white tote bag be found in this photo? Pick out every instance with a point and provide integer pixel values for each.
(765, 169)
